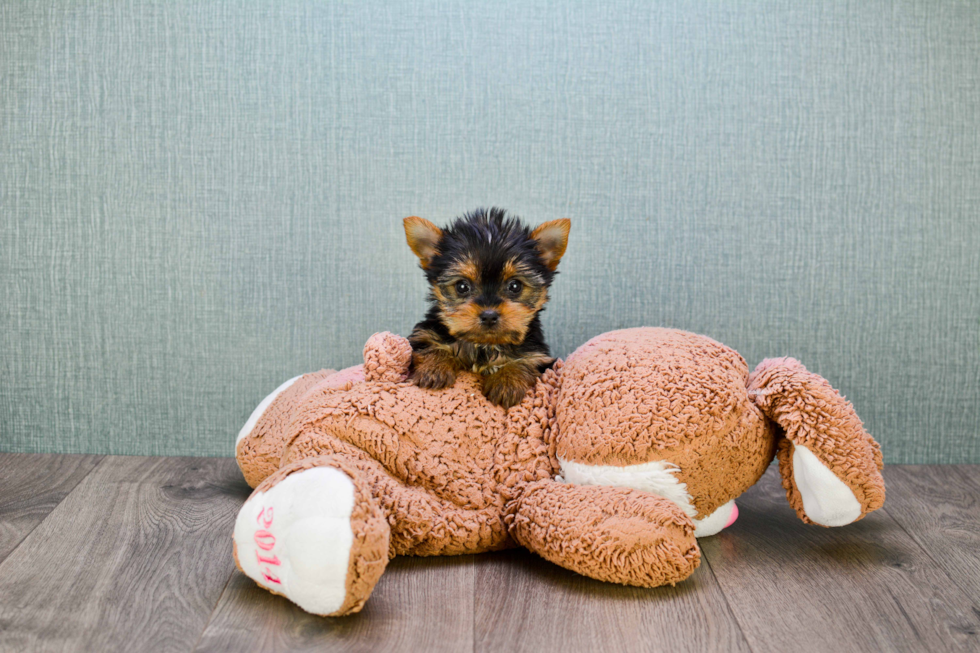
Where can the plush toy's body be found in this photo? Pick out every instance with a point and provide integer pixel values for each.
(611, 466)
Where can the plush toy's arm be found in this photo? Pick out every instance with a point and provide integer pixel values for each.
(387, 357)
(607, 533)
(830, 466)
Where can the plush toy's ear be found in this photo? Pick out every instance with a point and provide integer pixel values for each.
(423, 237)
(552, 238)
(830, 466)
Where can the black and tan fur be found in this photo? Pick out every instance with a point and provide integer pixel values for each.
(489, 276)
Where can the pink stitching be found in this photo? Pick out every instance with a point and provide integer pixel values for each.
(265, 522)
(265, 540)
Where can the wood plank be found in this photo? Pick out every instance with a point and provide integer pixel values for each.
(867, 586)
(31, 485)
(134, 559)
(525, 603)
(420, 604)
(137, 555)
(939, 507)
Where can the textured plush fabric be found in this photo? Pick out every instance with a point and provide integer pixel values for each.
(613, 534)
(641, 395)
(813, 414)
(453, 473)
(199, 200)
(444, 461)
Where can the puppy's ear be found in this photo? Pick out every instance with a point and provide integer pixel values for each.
(423, 237)
(552, 239)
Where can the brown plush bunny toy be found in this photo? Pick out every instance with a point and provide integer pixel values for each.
(612, 466)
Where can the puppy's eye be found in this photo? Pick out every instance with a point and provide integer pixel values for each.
(462, 288)
(514, 287)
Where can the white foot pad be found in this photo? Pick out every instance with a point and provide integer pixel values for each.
(296, 538)
(826, 499)
(257, 413)
(656, 477)
(717, 521)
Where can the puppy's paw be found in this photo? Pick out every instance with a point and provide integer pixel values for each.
(433, 379)
(507, 389)
(432, 373)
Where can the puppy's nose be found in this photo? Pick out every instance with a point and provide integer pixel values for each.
(489, 317)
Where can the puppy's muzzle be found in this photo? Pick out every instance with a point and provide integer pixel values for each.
(489, 318)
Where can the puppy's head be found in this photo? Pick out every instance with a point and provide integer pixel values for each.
(489, 273)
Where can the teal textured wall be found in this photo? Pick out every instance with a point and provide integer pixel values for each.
(202, 199)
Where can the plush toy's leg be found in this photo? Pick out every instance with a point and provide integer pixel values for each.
(830, 466)
(421, 522)
(313, 533)
(321, 530)
(607, 533)
(260, 442)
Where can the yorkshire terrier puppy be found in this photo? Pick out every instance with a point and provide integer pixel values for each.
(489, 276)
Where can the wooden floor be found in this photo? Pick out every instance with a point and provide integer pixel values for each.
(134, 554)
